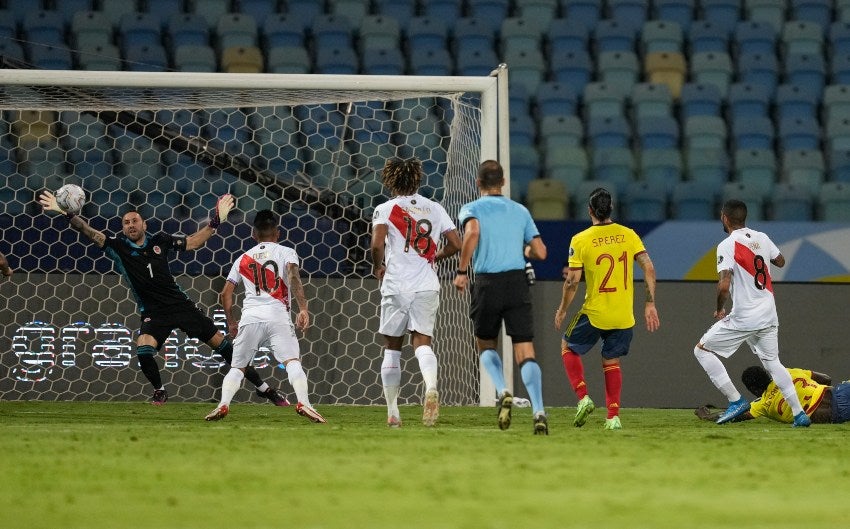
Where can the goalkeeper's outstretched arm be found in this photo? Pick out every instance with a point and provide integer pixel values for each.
(217, 216)
(48, 202)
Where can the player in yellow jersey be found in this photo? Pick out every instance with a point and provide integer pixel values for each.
(822, 402)
(605, 252)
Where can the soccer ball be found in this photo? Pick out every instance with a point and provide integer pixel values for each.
(71, 198)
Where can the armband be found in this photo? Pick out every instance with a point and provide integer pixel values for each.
(70, 216)
(215, 221)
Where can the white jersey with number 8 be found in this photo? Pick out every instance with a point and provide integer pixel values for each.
(263, 272)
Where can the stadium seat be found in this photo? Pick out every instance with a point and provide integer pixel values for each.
(519, 35)
(756, 168)
(443, 9)
(477, 63)
(761, 69)
(427, 33)
(163, 10)
(798, 133)
(431, 62)
(806, 70)
(186, 29)
(568, 165)
(522, 129)
(379, 32)
(353, 10)
(666, 68)
(613, 35)
(615, 166)
(748, 100)
(140, 29)
(337, 61)
(839, 38)
(242, 59)
(753, 37)
(661, 167)
(705, 132)
(699, 99)
(378, 61)
(705, 36)
(235, 30)
(332, 32)
(90, 28)
(631, 13)
(804, 167)
(790, 202)
(751, 196)
(113, 10)
(678, 11)
(283, 30)
(708, 166)
(651, 100)
(838, 134)
(193, 58)
(607, 132)
(586, 13)
(752, 132)
(146, 58)
(722, 13)
(792, 101)
(560, 130)
(210, 10)
(565, 35)
(661, 36)
(554, 98)
(259, 9)
(619, 70)
(657, 132)
(11, 50)
(644, 202)
(693, 201)
(834, 202)
(51, 57)
(527, 68)
(8, 25)
(802, 36)
(307, 9)
(817, 11)
(43, 27)
(538, 13)
(839, 69)
(839, 165)
(771, 12)
(574, 68)
(525, 167)
(600, 100)
(712, 68)
(99, 57)
(547, 199)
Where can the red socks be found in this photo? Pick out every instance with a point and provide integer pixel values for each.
(613, 385)
(575, 372)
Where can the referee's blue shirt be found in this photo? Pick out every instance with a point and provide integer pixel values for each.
(505, 228)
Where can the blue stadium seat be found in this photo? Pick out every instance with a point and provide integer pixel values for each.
(51, 57)
(488, 9)
(756, 168)
(613, 35)
(678, 11)
(283, 30)
(427, 32)
(792, 101)
(113, 10)
(100, 57)
(619, 70)
(146, 58)
(525, 167)
(259, 9)
(798, 133)
(538, 13)
(706, 36)
(568, 165)
(632, 13)
(790, 202)
(193, 58)
(839, 165)
(600, 100)
(712, 68)
(470, 34)
(288, 59)
(608, 131)
(8, 25)
(760, 69)
(802, 36)
(693, 201)
(574, 68)
(554, 98)
(834, 202)
(164, 10)
(700, 99)
(44, 27)
(723, 13)
(645, 202)
(443, 9)
(11, 49)
(839, 38)
(565, 35)
(332, 32)
(651, 100)
(615, 166)
(403, 11)
(522, 129)
(838, 134)
(560, 130)
(583, 12)
(770, 12)
(839, 68)
(19, 10)
(806, 70)
(90, 28)
(752, 37)
(661, 167)
(387, 61)
(431, 62)
(817, 11)
(337, 61)
(353, 10)
(657, 132)
(708, 166)
(477, 63)
(804, 167)
(661, 35)
(306, 9)
(379, 32)
(748, 100)
(752, 132)
(187, 29)
(519, 34)
(140, 29)
(235, 30)
(210, 10)
(705, 132)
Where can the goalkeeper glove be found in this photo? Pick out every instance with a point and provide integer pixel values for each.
(221, 210)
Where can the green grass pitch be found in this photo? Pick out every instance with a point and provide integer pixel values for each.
(131, 465)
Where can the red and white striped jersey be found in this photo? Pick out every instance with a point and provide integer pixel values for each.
(747, 253)
(262, 270)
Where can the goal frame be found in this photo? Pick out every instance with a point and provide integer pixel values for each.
(494, 126)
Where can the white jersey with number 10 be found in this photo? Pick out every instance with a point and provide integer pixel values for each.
(263, 272)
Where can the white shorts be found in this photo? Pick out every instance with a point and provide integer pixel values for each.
(411, 311)
(723, 341)
(277, 336)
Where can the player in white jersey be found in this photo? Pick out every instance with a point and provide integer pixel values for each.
(269, 273)
(743, 264)
(406, 232)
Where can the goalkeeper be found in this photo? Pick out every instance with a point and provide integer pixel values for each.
(143, 261)
(822, 402)
(5, 269)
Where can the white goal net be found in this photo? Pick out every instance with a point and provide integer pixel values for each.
(309, 147)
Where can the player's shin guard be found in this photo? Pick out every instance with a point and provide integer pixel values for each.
(613, 387)
(533, 381)
(298, 380)
(428, 366)
(147, 362)
(716, 372)
(391, 379)
(575, 372)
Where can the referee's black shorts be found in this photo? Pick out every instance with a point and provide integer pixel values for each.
(160, 322)
(502, 296)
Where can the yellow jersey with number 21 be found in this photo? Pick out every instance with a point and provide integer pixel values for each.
(606, 253)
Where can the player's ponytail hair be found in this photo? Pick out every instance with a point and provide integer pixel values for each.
(600, 203)
(402, 176)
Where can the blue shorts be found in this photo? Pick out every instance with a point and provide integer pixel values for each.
(581, 336)
(841, 402)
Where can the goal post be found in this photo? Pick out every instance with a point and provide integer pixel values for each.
(308, 146)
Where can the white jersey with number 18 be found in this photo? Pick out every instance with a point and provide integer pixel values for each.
(263, 272)
(747, 253)
(414, 226)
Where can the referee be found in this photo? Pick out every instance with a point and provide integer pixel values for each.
(498, 236)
